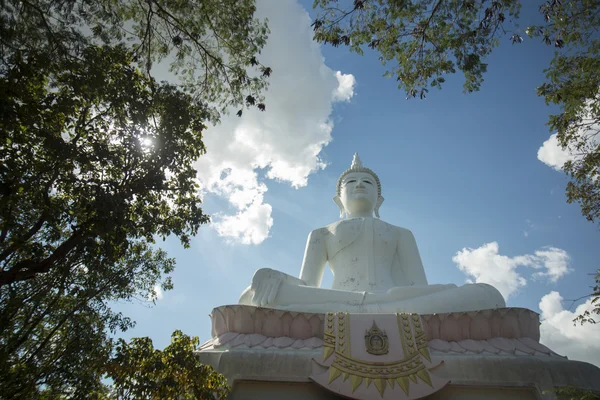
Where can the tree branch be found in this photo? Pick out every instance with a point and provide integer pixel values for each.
(28, 269)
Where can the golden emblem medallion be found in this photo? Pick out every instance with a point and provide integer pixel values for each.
(376, 340)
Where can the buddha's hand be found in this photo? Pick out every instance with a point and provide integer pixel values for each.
(265, 284)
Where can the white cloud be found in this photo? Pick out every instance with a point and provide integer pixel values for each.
(577, 342)
(249, 226)
(345, 90)
(486, 265)
(553, 155)
(555, 261)
(285, 141)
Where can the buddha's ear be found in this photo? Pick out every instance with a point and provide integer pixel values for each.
(380, 200)
(340, 205)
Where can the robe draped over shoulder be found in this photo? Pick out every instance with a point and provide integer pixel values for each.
(387, 246)
(344, 233)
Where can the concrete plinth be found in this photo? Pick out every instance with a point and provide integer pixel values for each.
(269, 354)
(283, 374)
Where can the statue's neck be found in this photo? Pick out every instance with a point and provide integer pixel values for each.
(365, 214)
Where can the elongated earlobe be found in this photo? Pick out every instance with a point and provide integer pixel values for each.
(380, 200)
(338, 202)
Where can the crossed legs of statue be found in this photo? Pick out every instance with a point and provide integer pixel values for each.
(420, 299)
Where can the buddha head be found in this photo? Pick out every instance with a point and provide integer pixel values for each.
(358, 191)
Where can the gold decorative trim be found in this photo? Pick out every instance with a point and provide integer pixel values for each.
(381, 374)
(356, 381)
(376, 340)
(341, 333)
(374, 369)
(328, 337)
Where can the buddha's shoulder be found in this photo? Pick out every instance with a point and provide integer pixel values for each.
(355, 224)
(398, 229)
(386, 226)
(326, 230)
(345, 224)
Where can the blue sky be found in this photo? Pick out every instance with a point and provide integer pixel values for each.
(461, 171)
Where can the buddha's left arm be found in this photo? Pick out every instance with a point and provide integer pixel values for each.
(315, 258)
(409, 262)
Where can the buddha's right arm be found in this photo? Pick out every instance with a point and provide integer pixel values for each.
(266, 282)
(315, 258)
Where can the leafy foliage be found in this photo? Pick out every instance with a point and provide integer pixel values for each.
(573, 393)
(573, 80)
(96, 161)
(139, 371)
(54, 339)
(421, 40)
(94, 158)
(212, 45)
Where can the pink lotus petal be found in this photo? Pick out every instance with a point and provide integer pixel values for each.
(456, 348)
(439, 345)
(535, 345)
(255, 339)
(238, 341)
(471, 345)
(298, 344)
(313, 342)
(283, 342)
(502, 344)
(487, 347)
(520, 346)
(225, 338)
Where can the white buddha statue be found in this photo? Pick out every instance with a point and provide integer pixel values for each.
(376, 266)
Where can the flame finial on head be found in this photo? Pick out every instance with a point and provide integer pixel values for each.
(357, 166)
(356, 163)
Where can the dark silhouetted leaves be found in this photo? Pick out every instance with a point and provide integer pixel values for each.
(97, 162)
(419, 41)
(138, 371)
(516, 38)
(95, 166)
(211, 45)
(267, 71)
(359, 4)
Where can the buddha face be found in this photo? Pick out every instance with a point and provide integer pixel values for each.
(359, 193)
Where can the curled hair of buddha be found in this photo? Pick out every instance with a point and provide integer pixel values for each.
(357, 166)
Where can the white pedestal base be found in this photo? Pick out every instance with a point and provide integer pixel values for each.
(489, 354)
(283, 374)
